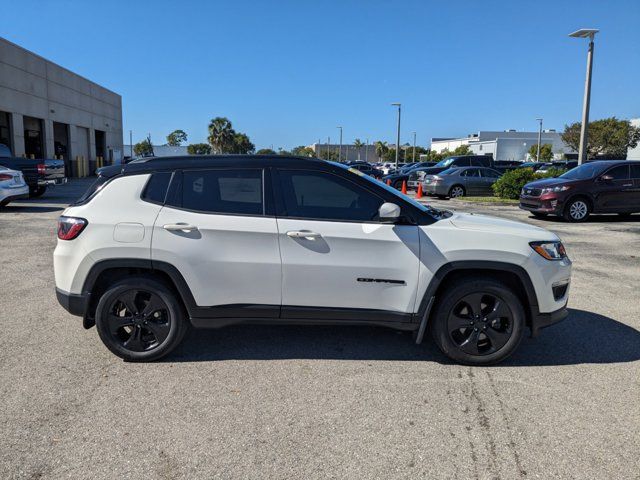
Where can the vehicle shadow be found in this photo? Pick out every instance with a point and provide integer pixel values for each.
(584, 337)
(595, 218)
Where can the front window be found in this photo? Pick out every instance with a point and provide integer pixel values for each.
(583, 172)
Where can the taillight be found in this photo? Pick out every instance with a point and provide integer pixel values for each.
(70, 227)
(42, 169)
(4, 176)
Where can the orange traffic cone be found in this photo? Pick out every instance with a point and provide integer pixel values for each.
(419, 192)
(389, 181)
(404, 187)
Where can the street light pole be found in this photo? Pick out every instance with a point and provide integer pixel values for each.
(584, 128)
(399, 105)
(414, 147)
(340, 148)
(539, 139)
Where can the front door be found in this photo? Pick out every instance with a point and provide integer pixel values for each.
(338, 261)
(215, 232)
(615, 194)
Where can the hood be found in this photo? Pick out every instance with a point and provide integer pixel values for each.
(486, 223)
(548, 182)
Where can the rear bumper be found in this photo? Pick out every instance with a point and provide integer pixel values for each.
(52, 181)
(74, 303)
(542, 320)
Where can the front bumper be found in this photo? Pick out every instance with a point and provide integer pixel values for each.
(434, 189)
(543, 204)
(542, 320)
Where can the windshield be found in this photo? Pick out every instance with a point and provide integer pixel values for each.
(449, 171)
(583, 172)
(446, 162)
(390, 189)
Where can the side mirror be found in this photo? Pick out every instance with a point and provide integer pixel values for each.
(389, 212)
(606, 178)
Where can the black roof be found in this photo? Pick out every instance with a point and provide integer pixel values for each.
(150, 164)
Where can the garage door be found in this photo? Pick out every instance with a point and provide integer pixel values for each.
(82, 149)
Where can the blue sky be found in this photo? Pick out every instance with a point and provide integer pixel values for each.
(287, 73)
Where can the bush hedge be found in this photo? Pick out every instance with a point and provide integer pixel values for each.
(510, 184)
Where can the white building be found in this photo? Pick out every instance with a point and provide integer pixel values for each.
(160, 151)
(47, 111)
(634, 153)
(504, 145)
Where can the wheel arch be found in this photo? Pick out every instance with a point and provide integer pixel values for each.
(509, 273)
(106, 272)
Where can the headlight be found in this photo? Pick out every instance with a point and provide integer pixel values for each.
(550, 250)
(555, 189)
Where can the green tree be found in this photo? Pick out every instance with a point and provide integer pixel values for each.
(266, 151)
(546, 152)
(357, 144)
(381, 149)
(242, 144)
(144, 148)
(462, 150)
(221, 135)
(303, 151)
(176, 138)
(608, 137)
(199, 149)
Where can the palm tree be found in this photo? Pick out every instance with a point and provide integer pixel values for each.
(221, 135)
(357, 143)
(381, 149)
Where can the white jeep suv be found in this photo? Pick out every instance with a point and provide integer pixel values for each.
(159, 245)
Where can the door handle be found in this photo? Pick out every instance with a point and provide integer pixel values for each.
(181, 227)
(303, 234)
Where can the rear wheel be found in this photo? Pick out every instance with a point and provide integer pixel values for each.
(577, 210)
(478, 322)
(456, 191)
(140, 319)
(37, 191)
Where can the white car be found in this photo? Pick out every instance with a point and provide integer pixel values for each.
(12, 186)
(212, 241)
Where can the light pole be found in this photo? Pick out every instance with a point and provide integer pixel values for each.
(589, 33)
(399, 105)
(366, 150)
(340, 148)
(539, 139)
(414, 147)
(328, 144)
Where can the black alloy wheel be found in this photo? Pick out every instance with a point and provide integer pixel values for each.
(140, 319)
(480, 324)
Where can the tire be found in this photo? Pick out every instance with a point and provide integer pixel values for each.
(128, 331)
(577, 210)
(457, 191)
(478, 322)
(37, 192)
(539, 214)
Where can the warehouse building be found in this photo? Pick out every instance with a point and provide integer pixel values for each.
(505, 145)
(47, 111)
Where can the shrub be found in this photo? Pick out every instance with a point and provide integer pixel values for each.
(510, 184)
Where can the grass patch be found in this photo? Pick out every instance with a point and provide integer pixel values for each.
(496, 200)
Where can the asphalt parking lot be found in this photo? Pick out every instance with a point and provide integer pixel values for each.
(320, 402)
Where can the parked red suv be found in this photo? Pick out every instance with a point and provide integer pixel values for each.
(596, 187)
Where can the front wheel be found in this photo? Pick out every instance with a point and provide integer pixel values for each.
(139, 319)
(478, 322)
(577, 210)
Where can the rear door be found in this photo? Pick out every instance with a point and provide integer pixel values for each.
(635, 193)
(215, 230)
(338, 261)
(489, 177)
(614, 195)
(473, 182)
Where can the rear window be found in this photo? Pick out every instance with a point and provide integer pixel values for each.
(94, 188)
(156, 189)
